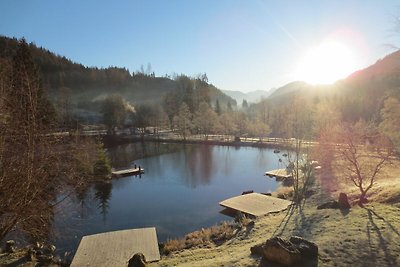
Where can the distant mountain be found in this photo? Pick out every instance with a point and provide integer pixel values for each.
(290, 88)
(360, 95)
(250, 97)
(373, 81)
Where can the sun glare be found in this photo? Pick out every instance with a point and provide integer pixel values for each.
(326, 63)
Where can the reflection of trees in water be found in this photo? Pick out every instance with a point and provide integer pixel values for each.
(227, 162)
(200, 163)
(70, 212)
(82, 196)
(102, 195)
(119, 156)
(123, 155)
(261, 160)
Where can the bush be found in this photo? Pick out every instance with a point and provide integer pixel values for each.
(216, 234)
(102, 165)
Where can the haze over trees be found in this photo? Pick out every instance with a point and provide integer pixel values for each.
(80, 94)
(79, 91)
(115, 111)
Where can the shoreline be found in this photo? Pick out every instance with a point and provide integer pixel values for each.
(248, 142)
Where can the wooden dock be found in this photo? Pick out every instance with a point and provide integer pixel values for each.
(114, 249)
(279, 173)
(255, 204)
(126, 172)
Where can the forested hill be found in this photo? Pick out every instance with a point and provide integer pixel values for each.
(359, 96)
(86, 85)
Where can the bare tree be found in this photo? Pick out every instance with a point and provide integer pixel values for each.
(28, 166)
(32, 174)
(206, 120)
(184, 121)
(298, 160)
(257, 128)
(228, 124)
(390, 124)
(363, 154)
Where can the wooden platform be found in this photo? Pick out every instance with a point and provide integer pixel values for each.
(114, 249)
(256, 204)
(279, 173)
(126, 172)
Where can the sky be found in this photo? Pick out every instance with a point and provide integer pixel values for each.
(241, 45)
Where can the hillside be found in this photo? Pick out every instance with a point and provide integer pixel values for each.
(85, 86)
(360, 95)
(290, 88)
(250, 97)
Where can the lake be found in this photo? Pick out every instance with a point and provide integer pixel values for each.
(178, 193)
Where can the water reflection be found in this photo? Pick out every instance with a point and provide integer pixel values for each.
(124, 155)
(102, 195)
(178, 193)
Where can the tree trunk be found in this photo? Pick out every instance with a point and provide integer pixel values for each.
(363, 199)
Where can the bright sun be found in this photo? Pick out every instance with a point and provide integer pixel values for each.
(326, 63)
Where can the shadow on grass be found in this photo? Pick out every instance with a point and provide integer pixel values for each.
(280, 229)
(302, 224)
(302, 227)
(309, 263)
(384, 244)
(344, 212)
(372, 212)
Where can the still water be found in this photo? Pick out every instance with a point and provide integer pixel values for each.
(178, 193)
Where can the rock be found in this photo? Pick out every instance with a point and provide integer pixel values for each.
(307, 248)
(296, 251)
(267, 194)
(50, 249)
(333, 204)
(281, 196)
(10, 246)
(343, 201)
(257, 249)
(137, 260)
(45, 259)
(281, 251)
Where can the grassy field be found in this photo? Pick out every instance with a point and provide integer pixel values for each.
(361, 236)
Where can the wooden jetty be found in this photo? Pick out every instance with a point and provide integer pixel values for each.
(279, 173)
(255, 204)
(126, 172)
(114, 249)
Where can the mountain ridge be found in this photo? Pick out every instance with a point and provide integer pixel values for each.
(84, 85)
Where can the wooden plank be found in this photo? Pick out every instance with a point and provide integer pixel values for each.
(114, 249)
(256, 204)
(279, 173)
(128, 172)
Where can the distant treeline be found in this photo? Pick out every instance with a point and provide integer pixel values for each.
(191, 105)
(86, 86)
